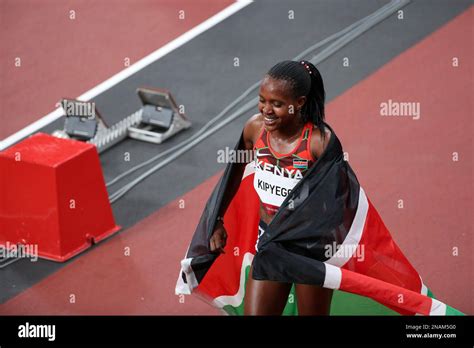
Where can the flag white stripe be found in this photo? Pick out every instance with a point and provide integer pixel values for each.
(333, 277)
(192, 283)
(236, 300)
(352, 240)
(424, 289)
(437, 307)
(249, 169)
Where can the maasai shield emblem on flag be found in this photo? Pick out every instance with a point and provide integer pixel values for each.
(326, 233)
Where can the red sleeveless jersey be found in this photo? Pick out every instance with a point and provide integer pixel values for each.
(276, 174)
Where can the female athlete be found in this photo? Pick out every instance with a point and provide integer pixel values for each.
(288, 136)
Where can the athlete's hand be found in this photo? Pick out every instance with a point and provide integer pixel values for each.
(218, 238)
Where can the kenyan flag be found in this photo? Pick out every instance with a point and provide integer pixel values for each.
(326, 233)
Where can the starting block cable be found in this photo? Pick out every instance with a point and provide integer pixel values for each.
(340, 39)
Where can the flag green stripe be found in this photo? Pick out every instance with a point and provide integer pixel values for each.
(343, 303)
(430, 294)
(453, 311)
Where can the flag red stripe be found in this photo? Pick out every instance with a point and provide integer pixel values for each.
(223, 278)
(381, 256)
(396, 297)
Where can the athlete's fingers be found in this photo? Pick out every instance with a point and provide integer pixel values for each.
(213, 244)
(219, 243)
(223, 236)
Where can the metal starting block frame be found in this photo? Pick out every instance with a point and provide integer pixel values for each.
(161, 99)
(132, 125)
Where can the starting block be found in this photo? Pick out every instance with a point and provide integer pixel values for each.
(157, 120)
(160, 117)
(53, 195)
(83, 120)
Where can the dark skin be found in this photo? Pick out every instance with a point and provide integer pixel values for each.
(281, 117)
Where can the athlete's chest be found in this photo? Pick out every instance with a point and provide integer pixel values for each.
(282, 146)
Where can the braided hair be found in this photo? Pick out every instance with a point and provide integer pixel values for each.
(305, 80)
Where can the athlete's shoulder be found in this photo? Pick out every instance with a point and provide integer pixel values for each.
(317, 144)
(252, 129)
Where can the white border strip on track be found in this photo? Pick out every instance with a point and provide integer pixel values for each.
(132, 69)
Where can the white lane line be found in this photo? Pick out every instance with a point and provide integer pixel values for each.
(132, 69)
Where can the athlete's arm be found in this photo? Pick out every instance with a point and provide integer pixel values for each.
(317, 144)
(250, 132)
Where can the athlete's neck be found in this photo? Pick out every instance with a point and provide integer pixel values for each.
(290, 131)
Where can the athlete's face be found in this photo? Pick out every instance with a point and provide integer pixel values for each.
(277, 104)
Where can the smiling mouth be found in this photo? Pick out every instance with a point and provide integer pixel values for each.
(269, 120)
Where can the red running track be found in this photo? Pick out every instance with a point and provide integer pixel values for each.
(401, 158)
(394, 158)
(61, 57)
